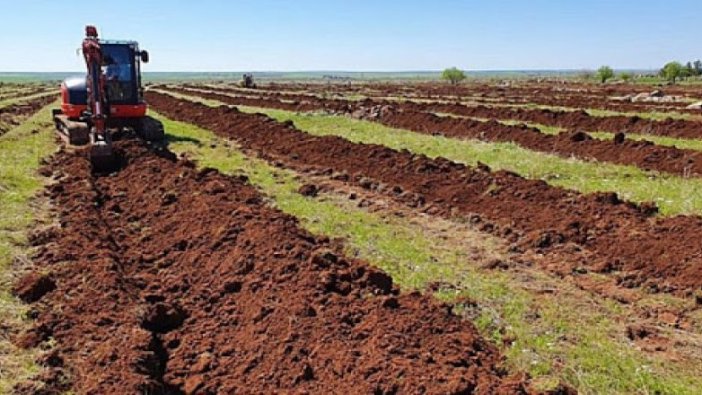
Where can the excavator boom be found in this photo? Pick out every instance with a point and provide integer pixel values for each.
(109, 97)
(101, 154)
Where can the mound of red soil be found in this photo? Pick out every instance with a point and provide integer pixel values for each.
(572, 119)
(412, 116)
(664, 254)
(642, 154)
(14, 114)
(173, 280)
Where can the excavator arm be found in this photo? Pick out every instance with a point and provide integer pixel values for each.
(101, 154)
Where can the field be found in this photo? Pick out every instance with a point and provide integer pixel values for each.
(519, 236)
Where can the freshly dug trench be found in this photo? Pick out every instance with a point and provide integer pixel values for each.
(642, 154)
(597, 231)
(173, 280)
(579, 119)
(572, 119)
(14, 114)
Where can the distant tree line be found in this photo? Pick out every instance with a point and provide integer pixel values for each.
(671, 72)
(674, 71)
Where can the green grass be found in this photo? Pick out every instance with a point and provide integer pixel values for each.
(674, 195)
(20, 152)
(546, 129)
(570, 325)
(595, 112)
(654, 115)
(682, 143)
(7, 102)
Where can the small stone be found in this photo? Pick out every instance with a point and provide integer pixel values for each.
(193, 384)
(203, 363)
(619, 138)
(309, 190)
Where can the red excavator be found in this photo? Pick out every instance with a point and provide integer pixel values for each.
(109, 98)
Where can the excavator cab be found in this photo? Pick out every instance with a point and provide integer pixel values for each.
(110, 97)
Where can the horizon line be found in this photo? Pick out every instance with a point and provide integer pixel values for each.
(339, 71)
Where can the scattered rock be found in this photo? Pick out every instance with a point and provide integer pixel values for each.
(619, 138)
(203, 363)
(579, 136)
(366, 183)
(193, 384)
(309, 190)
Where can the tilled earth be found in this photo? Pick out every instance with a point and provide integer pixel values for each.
(161, 278)
(598, 232)
(419, 118)
(13, 114)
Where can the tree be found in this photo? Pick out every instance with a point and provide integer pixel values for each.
(626, 77)
(688, 70)
(453, 75)
(697, 65)
(604, 73)
(672, 71)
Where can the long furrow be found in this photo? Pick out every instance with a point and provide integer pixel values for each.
(165, 279)
(597, 231)
(645, 155)
(14, 114)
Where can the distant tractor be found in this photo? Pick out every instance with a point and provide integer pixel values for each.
(247, 81)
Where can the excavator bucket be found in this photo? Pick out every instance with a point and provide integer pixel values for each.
(102, 155)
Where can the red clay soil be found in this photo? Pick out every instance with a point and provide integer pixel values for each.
(561, 93)
(547, 93)
(14, 114)
(643, 154)
(596, 231)
(21, 93)
(168, 280)
(574, 120)
(604, 103)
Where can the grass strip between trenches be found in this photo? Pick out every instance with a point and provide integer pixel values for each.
(681, 143)
(568, 335)
(21, 150)
(22, 99)
(673, 194)
(666, 141)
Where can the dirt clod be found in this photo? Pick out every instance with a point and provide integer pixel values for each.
(309, 190)
(33, 286)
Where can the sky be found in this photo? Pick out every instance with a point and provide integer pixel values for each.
(358, 35)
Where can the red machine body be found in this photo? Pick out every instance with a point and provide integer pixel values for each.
(109, 97)
(74, 111)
